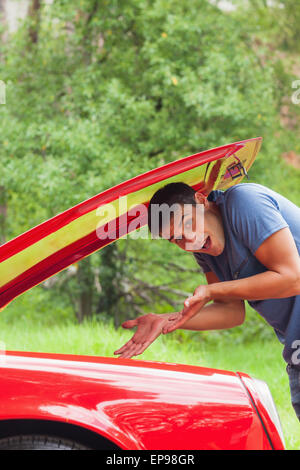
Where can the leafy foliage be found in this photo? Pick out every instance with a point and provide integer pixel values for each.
(100, 91)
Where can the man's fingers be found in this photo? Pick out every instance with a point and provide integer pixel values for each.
(144, 347)
(125, 346)
(129, 323)
(124, 351)
(141, 348)
(138, 346)
(174, 326)
(172, 321)
(131, 351)
(128, 350)
(138, 349)
(167, 328)
(171, 328)
(191, 301)
(173, 317)
(149, 327)
(191, 307)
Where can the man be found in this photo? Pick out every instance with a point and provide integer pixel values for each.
(249, 250)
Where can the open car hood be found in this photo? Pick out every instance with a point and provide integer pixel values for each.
(73, 234)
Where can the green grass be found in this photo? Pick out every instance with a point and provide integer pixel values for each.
(259, 358)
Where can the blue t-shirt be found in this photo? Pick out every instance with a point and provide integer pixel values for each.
(250, 214)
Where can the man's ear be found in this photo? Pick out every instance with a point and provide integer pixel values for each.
(201, 198)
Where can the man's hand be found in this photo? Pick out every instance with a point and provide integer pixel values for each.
(192, 305)
(149, 327)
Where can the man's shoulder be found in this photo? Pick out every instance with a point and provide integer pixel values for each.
(248, 194)
(235, 192)
(246, 202)
(247, 189)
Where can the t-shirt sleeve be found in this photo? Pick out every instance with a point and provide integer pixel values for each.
(203, 265)
(254, 215)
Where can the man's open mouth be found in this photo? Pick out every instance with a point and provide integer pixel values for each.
(207, 243)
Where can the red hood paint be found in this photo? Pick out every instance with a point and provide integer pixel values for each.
(136, 404)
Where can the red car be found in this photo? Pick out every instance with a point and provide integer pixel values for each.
(52, 401)
(56, 401)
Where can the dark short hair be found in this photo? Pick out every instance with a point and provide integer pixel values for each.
(172, 193)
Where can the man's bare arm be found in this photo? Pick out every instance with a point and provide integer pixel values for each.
(218, 315)
(278, 254)
(215, 316)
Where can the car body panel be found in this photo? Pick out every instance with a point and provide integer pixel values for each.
(135, 404)
(261, 410)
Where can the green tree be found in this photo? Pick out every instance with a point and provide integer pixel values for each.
(98, 92)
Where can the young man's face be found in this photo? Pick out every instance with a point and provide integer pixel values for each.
(196, 228)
